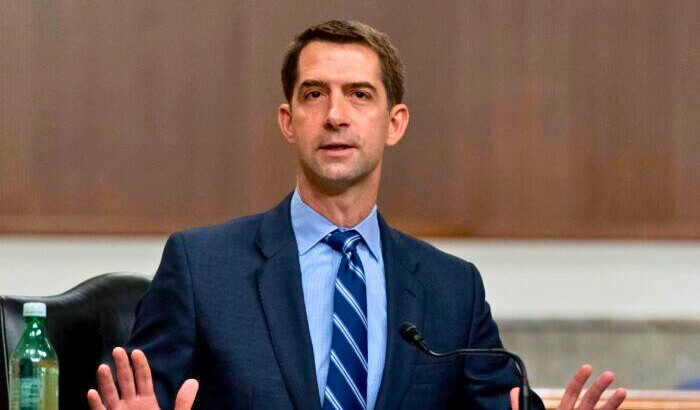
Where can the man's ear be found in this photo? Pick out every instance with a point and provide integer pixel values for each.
(398, 121)
(284, 118)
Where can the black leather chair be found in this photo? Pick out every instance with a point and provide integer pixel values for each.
(84, 324)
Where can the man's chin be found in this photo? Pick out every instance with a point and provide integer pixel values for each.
(334, 179)
(334, 184)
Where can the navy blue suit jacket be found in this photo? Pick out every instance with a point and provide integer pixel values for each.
(226, 307)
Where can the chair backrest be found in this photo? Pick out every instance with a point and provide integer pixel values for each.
(84, 324)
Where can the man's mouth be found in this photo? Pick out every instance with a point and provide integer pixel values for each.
(336, 147)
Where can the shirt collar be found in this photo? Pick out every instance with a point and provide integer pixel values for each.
(310, 227)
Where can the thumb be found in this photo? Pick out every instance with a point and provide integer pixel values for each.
(515, 398)
(186, 394)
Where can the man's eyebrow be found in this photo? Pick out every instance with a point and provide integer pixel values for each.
(323, 84)
(313, 83)
(361, 84)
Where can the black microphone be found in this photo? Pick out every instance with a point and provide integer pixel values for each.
(410, 333)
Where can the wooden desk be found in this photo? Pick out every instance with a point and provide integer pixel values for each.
(636, 399)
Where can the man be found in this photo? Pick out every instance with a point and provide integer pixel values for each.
(299, 307)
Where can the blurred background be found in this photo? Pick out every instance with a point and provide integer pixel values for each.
(555, 144)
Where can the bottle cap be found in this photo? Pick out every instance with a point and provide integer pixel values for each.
(36, 309)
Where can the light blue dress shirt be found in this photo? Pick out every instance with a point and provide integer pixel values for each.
(319, 267)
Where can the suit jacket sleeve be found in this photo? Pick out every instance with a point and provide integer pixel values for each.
(488, 379)
(165, 323)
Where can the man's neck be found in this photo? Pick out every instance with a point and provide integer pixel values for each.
(345, 209)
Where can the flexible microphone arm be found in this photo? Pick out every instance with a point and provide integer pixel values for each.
(410, 333)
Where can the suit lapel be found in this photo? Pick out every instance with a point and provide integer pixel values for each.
(281, 295)
(405, 302)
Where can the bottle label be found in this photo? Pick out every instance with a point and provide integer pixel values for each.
(30, 392)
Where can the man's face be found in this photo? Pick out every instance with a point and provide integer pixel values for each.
(339, 120)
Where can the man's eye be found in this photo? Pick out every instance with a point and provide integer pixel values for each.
(313, 94)
(361, 95)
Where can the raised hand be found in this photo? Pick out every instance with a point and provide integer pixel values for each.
(136, 386)
(590, 399)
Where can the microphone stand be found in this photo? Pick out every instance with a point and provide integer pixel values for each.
(410, 333)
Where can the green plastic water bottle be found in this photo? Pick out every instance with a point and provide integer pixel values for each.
(34, 365)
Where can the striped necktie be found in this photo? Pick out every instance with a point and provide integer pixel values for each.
(346, 386)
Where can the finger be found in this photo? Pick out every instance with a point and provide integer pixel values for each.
(590, 399)
(125, 376)
(94, 400)
(142, 373)
(615, 400)
(186, 394)
(107, 387)
(515, 398)
(573, 389)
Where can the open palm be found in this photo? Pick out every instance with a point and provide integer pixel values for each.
(590, 399)
(136, 386)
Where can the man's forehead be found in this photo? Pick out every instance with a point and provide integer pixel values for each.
(347, 62)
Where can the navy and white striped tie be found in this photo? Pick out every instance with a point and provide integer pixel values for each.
(346, 386)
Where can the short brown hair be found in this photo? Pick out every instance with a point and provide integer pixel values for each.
(344, 32)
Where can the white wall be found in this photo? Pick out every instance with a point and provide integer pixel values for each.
(604, 279)
(46, 265)
(608, 279)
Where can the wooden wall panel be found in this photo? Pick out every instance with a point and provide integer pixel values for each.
(529, 118)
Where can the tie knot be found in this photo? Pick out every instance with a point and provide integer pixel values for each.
(343, 241)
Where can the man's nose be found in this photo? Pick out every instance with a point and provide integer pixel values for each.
(337, 117)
